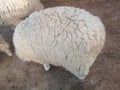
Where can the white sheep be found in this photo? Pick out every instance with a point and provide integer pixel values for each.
(12, 11)
(4, 46)
(62, 36)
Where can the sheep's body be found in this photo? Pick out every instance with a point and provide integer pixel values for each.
(62, 36)
(4, 46)
(12, 11)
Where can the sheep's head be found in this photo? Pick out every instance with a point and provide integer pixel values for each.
(4, 47)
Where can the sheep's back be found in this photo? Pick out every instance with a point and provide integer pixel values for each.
(58, 35)
(13, 10)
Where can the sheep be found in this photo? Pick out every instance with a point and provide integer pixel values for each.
(63, 36)
(13, 11)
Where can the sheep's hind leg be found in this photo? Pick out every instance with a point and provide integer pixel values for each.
(46, 67)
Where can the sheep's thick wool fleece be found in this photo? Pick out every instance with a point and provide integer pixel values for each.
(12, 11)
(62, 36)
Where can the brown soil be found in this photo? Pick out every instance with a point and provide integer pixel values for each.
(104, 74)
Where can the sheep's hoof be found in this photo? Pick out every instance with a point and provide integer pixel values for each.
(46, 67)
(8, 52)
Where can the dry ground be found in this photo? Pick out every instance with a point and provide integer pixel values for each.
(104, 74)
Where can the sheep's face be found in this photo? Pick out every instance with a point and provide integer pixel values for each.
(4, 47)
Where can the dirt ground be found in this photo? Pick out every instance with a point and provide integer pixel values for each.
(104, 74)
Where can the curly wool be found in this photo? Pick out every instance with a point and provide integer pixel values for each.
(12, 11)
(62, 36)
